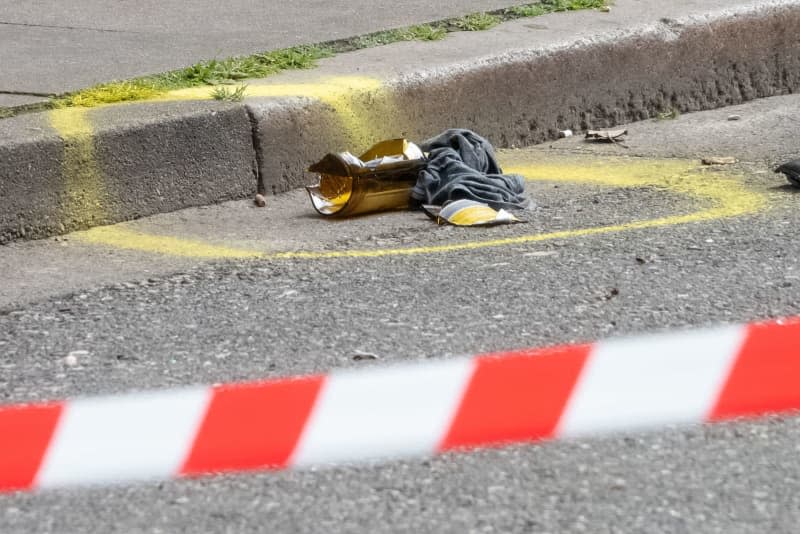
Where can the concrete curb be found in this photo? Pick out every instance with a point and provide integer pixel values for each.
(525, 96)
(121, 162)
(102, 166)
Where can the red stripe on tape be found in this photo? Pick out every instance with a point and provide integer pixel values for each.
(252, 426)
(517, 396)
(25, 433)
(766, 376)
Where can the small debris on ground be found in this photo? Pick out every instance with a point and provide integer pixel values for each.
(608, 136)
(260, 201)
(734, 117)
(71, 359)
(611, 294)
(619, 484)
(668, 115)
(715, 160)
(540, 254)
(791, 169)
(360, 355)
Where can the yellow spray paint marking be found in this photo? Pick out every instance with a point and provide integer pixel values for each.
(85, 186)
(345, 94)
(724, 195)
(121, 237)
(325, 89)
(727, 196)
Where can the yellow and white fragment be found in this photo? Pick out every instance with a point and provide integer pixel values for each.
(470, 213)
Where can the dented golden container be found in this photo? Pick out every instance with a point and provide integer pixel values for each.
(381, 179)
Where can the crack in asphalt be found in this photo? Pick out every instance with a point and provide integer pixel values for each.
(51, 26)
(26, 93)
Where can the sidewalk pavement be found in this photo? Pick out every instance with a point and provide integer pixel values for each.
(53, 47)
(519, 84)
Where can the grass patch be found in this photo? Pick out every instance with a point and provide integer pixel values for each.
(670, 114)
(372, 40)
(425, 32)
(529, 10)
(421, 32)
(553, 6)
(228, 94)
(476, 22)
(229, 71)
(109, 93)
(213, 72)
(233, 69)
(572, 5)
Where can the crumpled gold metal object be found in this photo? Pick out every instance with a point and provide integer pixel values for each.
(381, 179)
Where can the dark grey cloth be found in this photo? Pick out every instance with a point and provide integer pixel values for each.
(792, 171)
(462, 165)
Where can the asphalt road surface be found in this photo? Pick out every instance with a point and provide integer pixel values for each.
(148, 319)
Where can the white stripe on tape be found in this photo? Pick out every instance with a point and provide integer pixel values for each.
(399, 411)
(130, 437)
(652, 381)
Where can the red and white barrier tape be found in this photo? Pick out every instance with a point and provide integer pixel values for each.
(404, 411)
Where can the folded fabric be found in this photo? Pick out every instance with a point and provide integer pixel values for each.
(462, 165)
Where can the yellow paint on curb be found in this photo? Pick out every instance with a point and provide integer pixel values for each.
(351, 97)
(725, 196)
(331, 88)
(83, 180)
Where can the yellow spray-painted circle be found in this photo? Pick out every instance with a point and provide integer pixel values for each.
(723, 195)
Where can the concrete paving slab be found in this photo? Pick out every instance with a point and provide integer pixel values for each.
(52, 47)
(8, 100)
